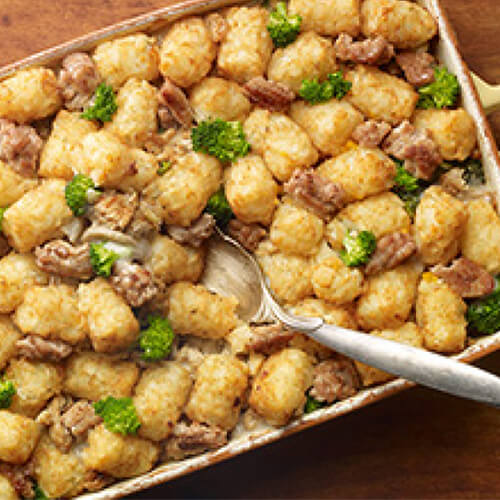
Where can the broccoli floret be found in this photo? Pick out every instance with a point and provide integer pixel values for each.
(483, 315)
(164, 167)
(313, 404)
(358, 248)
(408, 188)
(2, 212)
(104, 106)
(104, 255)
(284, 29)
(119, 414)
(441, 93)
(39, 493)
(473, 172)
(315, 92)
(80, 192)
(156, 340)
(224, 140)
(7, 392)
(219, 208)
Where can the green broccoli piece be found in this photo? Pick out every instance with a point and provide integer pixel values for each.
(80, 192)
(358, 247)
(411, 201)
(483, 315)
(156, 340)
(104, 255)
(7, 392)
(39, 493)
(2, 212)
(224, 140)
(104, 106)
(441, 93)
(405, 181)
(315, 92)
(313, 404)
(473, 172)
(284, 29)
(219, 208)
(164, 167)
(119, 414)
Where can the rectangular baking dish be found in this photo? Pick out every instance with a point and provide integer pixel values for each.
(448, 53)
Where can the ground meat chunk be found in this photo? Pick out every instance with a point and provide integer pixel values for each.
(392, 250)
(51, 417)
(134, 283)
(78, 80)
(267, 339)
(268, 94)
(193, 439)
(115, 210)
(20, 147)
(316, 193)
(334, 379)
(217, 27)
(35, 347)
(375, 51)
(21, 478)
(194, 235)
(173, 98)
(166, 119)
(62, 258)
(248, 235)
(453, 181)
(371, 133)
(79, 418)
(418, 67)
(466, 278)
(416, 148)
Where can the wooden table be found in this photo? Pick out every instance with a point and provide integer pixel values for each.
(419, 444)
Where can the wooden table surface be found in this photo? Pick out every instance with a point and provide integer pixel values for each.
(418, 444)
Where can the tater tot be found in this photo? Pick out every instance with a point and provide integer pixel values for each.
(18, 437)
(217, 396)
(283, 145)
(278, 391)
(7, 491)
(329, 124)
(310, 56)
(9, 335)
(17, 274)
(94, 376)
(296, 230)
(169, 261)
(334, 282)
(37, 216)
(453, 131)
(251, 190)
(219, 98)
(441, 316)
(29, 95)
(440, 220)
(146, 168)
(405, 24)
(112, 324)
(328, 17)
(63, 147)
(117, 455)
(389, 297)
(361, 171)
(187, 52)
(183, 192)
(247, 47)
(127, 57)
(192, 309)
(105, 159)
(58, 474)
(409, 334)
(51, 312)
(289, 275)
(381, 96)
(13, 185)
(35, 384)
(159, 399)
(135, 120)
(481, 236)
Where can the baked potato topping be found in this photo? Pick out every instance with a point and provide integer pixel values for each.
(320, 134)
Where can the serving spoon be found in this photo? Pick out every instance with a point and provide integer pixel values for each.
(231, 270)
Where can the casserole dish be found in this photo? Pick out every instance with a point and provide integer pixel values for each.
(449, 55)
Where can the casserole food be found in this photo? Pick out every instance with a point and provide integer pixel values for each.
(306, 249)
